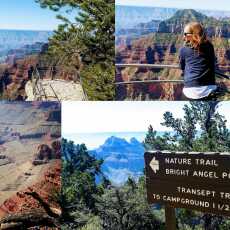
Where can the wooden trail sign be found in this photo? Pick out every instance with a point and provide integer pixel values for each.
(199, 181)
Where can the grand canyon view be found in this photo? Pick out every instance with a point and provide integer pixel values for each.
(154, 36)
(30, 164)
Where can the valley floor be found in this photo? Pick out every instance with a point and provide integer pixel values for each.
(20, 173)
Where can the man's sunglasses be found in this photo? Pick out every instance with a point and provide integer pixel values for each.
(185, 34)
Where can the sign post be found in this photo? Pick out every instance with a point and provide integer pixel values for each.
(170, 218)
(199, 181)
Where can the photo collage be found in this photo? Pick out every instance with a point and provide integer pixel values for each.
(114, 115)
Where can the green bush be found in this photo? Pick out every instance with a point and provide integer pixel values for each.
(98, 82)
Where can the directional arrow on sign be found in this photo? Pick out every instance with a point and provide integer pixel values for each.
(154, 164)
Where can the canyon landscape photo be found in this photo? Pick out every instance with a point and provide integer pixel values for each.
(27, 72)
(30, 163)
(55, 53)
(154, 36)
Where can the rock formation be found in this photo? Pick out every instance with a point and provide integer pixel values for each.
(46, 153)
(15, 210)
(17, 72)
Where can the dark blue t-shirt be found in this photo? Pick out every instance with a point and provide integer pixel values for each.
(198, 66)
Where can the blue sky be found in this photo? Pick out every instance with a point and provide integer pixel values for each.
(92, 122)
(127, 116)
(26, 14)
(192, 4)
(101, 117)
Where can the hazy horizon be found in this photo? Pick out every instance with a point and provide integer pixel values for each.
(31, 30)
(221, 5)
(94, 140)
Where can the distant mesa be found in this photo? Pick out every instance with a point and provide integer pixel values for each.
(119, 146)
(135, 142)
(122, 158)
(21, 42)
(114, 141)
(130, 16)
(187, 15)
(19, 51)
(175, 24)
(20, 116)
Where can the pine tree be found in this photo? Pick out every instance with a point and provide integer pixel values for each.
(86, 44)
(202, 128)
(79, 172)
(154, 142)
(125, 208)
(93, 28)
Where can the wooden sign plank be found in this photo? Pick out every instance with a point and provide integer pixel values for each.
(194, 181)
